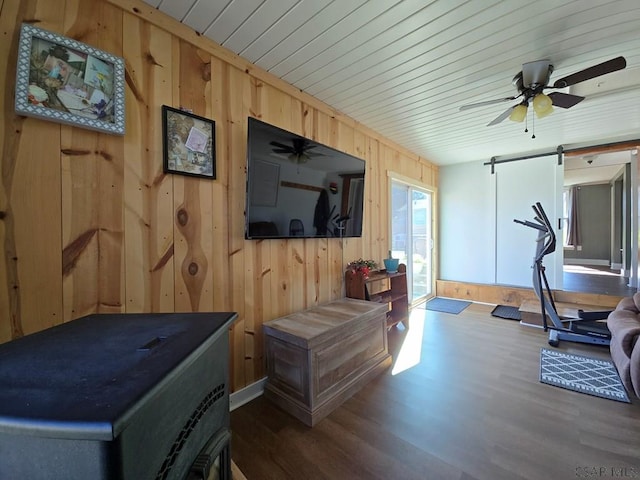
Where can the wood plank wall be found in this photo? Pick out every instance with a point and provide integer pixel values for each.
(90, 223)
(515, 296)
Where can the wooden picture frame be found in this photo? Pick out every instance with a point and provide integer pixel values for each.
(189, 143)
(66, 81)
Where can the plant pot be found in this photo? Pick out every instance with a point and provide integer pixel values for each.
(391, 264)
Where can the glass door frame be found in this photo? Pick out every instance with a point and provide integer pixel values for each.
(432, 246)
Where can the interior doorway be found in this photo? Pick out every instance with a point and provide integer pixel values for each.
(604, 260)
(412, 236)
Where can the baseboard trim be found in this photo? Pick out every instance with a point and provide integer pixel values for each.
(586, 261)
(246, 394)
(616, 266)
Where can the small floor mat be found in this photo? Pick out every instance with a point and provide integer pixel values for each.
(447, 305)
(507, 311)
(581, 374)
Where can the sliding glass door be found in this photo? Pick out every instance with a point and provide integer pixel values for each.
(411, 236)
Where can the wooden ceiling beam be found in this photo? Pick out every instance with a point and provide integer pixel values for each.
(608, 148)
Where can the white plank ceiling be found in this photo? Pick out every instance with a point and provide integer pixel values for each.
(404, 67)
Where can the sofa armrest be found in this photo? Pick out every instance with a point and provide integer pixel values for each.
(625, 329)
(636, 300)
(634, 370)
(627, 304)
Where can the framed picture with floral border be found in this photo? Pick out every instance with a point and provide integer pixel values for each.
(189, 143)
(66, 81)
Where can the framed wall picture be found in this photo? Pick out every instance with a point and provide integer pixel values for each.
(189, 143)
(63, 80)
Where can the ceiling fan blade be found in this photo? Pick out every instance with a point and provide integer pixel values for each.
(603, 68)
(281, 145)
(501, 117)
(282, 150)
(486, 102)
(535, 73)
(565, 100)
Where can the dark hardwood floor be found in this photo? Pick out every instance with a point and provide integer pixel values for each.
(595, 279)
(471, 408)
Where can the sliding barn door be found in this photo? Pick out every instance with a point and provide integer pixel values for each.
(519, 185)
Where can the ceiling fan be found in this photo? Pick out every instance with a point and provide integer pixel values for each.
(534, 78)
(298, 152)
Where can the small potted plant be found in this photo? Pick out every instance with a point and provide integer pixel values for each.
(362, 266)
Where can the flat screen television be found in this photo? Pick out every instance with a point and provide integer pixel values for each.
(297, 187)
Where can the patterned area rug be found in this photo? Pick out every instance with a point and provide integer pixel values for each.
(581, 374)
(447, 305)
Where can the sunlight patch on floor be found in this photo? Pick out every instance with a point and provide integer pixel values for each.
(411, 350)
(589, 271)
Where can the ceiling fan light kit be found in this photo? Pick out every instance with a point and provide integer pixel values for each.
(518, 113)
(534, 78)
(542, 105)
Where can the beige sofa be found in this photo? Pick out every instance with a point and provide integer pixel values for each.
(624, 323)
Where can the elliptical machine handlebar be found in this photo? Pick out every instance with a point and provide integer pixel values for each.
(546, 236)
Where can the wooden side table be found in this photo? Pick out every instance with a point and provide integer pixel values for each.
(382, 287)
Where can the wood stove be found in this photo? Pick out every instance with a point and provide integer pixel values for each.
(108, 396)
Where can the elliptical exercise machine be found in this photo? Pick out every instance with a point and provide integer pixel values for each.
(589, 327)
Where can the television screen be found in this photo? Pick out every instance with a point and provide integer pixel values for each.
(297, 187)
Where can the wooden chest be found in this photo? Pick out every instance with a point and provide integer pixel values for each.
(318, 358)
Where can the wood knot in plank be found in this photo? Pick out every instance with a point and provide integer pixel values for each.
(151, 59)
(158, 179)
(182, 216)
(164, 259)
(2, 214)
(106, 155)
(193, 269)
(72, 252)
(74, 153)
(206, 72)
